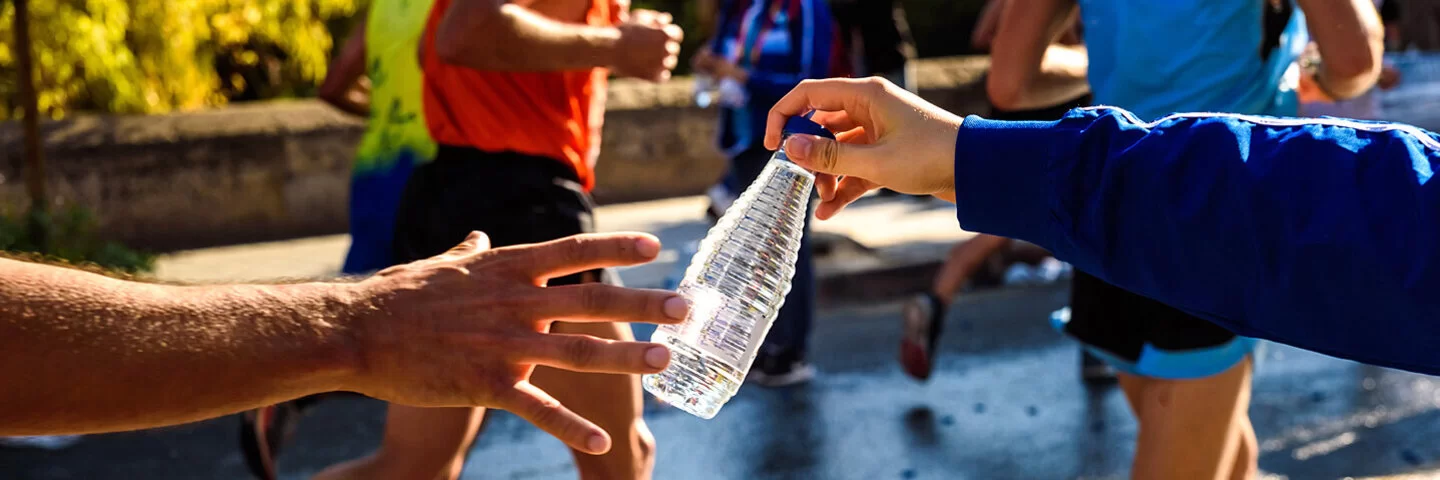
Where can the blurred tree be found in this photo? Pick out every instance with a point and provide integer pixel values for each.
(150, 56)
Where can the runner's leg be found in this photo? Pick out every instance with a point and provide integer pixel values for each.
(1188, 428)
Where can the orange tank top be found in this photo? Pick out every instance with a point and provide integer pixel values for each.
(549, 114)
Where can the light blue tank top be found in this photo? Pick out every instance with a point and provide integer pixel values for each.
(1157, 57)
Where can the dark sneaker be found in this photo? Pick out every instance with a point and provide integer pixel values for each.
(1094, 370)
(780, 370)
(924, 316)
(263, 432)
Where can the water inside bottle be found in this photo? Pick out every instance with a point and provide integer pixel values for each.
(736, 283)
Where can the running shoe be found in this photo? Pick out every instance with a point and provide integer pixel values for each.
(263, 432)
(781, 369)
(924, 315)
(1093, 370)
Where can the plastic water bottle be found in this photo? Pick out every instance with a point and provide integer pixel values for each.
(724, 92)
(730, 93)
(705, 90)
(736, 283)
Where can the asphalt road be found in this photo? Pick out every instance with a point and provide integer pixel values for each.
(1005, 403)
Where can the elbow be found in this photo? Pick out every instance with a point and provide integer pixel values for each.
(1004, 93)
(1353, 68)
(1351, 76)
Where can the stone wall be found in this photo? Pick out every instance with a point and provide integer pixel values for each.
(280, 170)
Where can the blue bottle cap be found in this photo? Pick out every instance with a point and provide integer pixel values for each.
(805, 126)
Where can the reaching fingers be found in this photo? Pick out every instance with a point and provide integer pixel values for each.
(852, 96)
(584, 353)
(849, 190)
(544, 411)
(650, 17)
(578, 253)
(596, 302)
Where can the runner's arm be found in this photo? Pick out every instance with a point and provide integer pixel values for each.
(985, 27)
(500, 36)
(1351, 41)
(342, 88)
(1027, 70)
(87, 353)
(1321, 233)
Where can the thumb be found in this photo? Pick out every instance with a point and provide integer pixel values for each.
(829, 156)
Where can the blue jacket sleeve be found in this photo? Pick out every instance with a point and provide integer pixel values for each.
(1319, 233)
(814, 54)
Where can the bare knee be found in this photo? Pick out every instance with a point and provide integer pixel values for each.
(1247, 452)
(632, 456)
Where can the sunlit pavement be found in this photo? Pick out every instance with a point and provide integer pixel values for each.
(1005, 403)
(914, 231)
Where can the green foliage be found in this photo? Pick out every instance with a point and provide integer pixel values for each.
(152, 56)
(155, 56)
(69, 235)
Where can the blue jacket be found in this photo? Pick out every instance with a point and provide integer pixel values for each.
(1319, 233)
(779, 50)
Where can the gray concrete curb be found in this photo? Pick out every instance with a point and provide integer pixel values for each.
(883, 283)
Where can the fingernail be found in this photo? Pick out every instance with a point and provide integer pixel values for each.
(657, 357)
(798, 146)
(676, 307)
(597, 443)
(647, 247)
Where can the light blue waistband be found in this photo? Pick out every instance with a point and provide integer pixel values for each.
(1170, 364)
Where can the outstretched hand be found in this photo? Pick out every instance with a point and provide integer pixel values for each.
(887, 137)
(468, 327)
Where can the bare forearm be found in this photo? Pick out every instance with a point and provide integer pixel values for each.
(1027, 69)
(342, 86)
(487, 35)
(86, 353)
(1351, 41)
(1061, 79)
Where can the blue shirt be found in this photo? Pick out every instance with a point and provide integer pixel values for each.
(780, 43)
(1156, 57)
(1318, 233)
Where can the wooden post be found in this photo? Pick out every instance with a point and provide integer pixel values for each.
(34, 169)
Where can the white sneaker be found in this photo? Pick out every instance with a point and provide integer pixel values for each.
(42, 442)
(773, 373)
